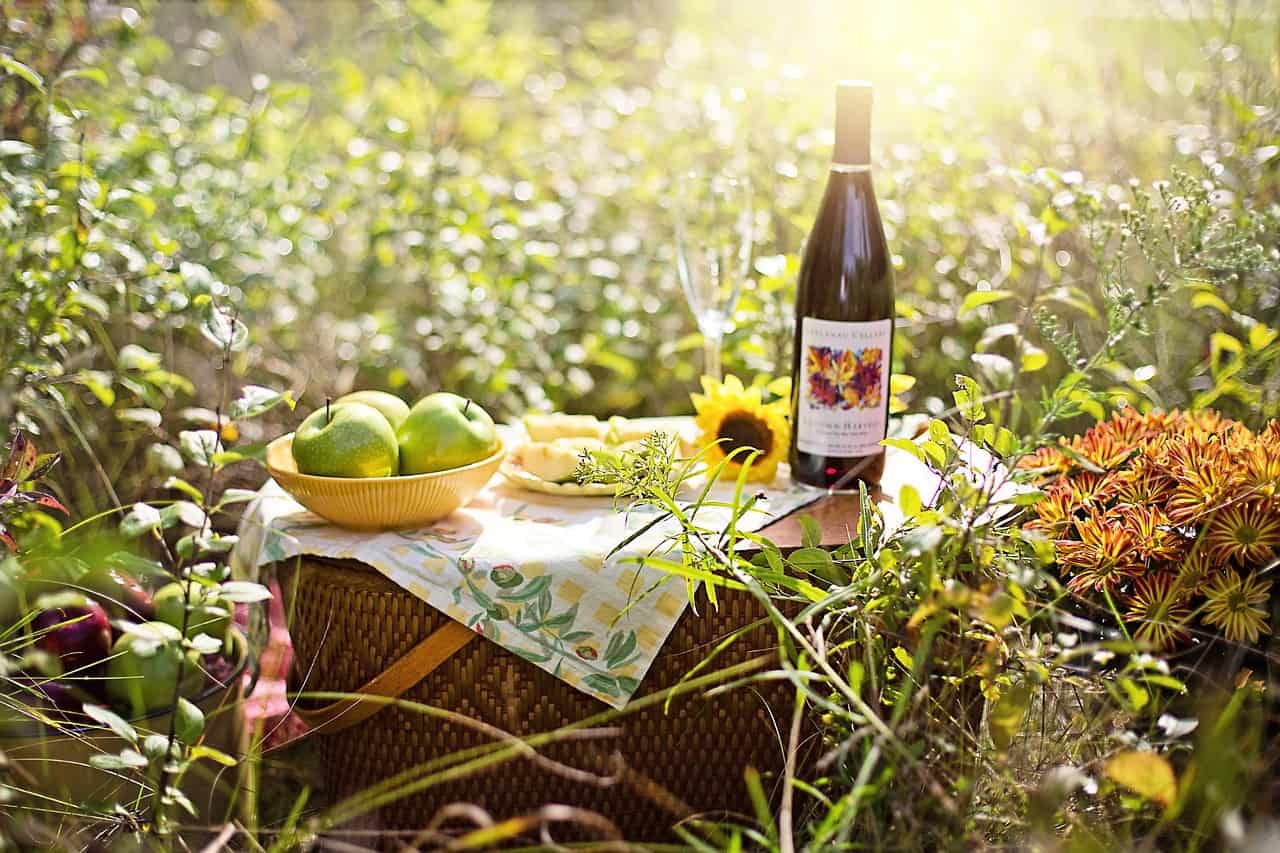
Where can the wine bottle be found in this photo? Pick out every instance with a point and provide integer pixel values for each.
(844, 318)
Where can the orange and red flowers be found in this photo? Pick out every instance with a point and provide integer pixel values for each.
(1174, 515)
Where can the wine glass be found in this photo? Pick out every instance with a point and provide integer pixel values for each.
(713, 252)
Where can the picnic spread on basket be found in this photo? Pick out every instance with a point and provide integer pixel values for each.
(437, 556)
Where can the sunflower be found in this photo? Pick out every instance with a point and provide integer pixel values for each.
(1247, 532)
(1160, 608)
(732, 417)
(1232, 606)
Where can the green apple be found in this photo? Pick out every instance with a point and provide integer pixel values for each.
(392, 407)
(350, 440)
(143, 669)
(209, 613)
(445, 431)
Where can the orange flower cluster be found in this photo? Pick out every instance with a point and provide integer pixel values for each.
(1176, 515)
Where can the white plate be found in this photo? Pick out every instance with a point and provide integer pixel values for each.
(682, 427)
(519, 477)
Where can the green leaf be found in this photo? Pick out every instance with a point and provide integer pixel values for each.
(1075, 456)
(113, 721)
(242, 453)
(98, 382)
(14, 148)
(1007, 714)
(225, 331)
(13, 66)
(978, 298)
(134, 357)
(128, 759)
(199, 445)
(212, 754)
(1030, 497)
(934, 453)
(905, 444)
(1261, 336)
(1136, 694)
(810, 531)
(206, 644)
(237, 496)
(968, 397)
(818, 562)
(95, 75)
(1033, 358)
(1166, 681)
(155, 746)
(142, 416)
(909, 500)
(184, 512)
(255, 400)
(142, 518)
(1209, 299)
(1145, 773)
(188, 722)
(181, 485)
(243, 592)
(1221, 343)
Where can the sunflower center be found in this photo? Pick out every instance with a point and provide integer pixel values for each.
(740, 429)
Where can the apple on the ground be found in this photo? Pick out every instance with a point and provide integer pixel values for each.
(445, 431)
(347, 440)
(144, 666)
(120, 594)
(75, 629)
(392, 407)
(209, 613)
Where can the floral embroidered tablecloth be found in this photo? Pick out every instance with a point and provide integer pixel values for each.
(526, 570)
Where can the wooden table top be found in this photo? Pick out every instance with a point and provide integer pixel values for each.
(836, 514)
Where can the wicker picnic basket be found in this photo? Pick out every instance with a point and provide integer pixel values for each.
(350, 624)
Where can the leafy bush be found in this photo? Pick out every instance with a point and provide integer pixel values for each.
(482, 206)
(417, 195)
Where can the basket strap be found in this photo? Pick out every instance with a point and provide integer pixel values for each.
(412, 667)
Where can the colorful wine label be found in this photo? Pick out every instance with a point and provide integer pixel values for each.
(844, 387)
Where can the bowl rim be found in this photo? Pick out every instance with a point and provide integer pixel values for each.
(275, 472)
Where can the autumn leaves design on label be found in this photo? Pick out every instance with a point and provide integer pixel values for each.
(843, 396)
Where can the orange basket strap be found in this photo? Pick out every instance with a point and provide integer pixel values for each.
(415, 665)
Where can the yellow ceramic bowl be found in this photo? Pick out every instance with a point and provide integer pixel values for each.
(380, 503)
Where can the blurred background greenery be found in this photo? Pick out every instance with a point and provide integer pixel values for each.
(415, 194)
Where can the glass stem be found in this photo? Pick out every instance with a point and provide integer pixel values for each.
(711, 356)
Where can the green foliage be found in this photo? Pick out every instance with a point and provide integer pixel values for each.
(420, 195)
(445, 211)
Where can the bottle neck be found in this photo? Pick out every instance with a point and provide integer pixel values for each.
(849, 168)
(853, 127)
